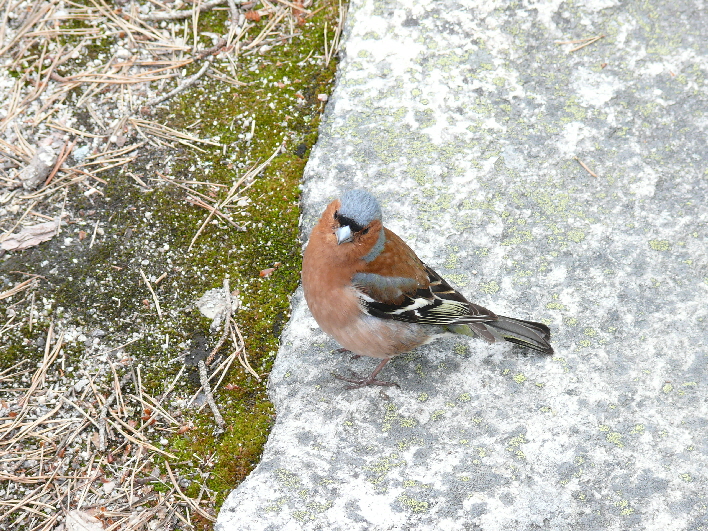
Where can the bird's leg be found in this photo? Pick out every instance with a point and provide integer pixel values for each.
(371, 380)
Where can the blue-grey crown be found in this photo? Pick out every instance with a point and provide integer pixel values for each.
(359, 206)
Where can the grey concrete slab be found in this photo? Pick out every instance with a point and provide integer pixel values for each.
(465, 118)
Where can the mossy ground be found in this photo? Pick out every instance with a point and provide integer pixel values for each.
(100, 286)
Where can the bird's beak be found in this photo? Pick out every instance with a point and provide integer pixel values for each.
(344, 234)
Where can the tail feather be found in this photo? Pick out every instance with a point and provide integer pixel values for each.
(526, 333)
(473, 330)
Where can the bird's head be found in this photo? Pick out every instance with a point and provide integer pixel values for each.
(357, 209)
(357, 220)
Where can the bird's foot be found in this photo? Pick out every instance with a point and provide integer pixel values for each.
(359, 382)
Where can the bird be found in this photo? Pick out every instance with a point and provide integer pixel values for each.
(367, 289)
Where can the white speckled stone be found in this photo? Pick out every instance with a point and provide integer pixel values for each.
(465, 117)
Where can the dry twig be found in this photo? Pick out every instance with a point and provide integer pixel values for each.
(585, 167)
(232, 196)
(182, 14)
(185, 498)
(182, 87)
(227, 318)
(152, 292)
(585, 42)
(102, 418)
(206, 388)
(19, 287)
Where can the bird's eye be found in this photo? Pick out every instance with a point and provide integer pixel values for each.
(365, 231)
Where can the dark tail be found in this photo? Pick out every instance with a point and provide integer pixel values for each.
(524, 333)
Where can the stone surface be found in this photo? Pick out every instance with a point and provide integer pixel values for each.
(466, 118)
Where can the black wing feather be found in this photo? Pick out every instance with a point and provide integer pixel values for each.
(439, 304)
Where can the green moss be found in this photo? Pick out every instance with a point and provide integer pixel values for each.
(289, 113)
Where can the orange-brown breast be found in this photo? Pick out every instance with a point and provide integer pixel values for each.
(326, 275)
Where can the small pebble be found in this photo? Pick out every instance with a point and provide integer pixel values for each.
(109, 486)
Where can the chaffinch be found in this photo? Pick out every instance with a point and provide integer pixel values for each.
(368, 290)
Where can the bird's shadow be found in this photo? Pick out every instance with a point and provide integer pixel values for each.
(431, 364)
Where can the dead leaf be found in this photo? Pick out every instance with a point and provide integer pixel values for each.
(267, 272)
(41, 164)
(31, 236)
(253, 16)
(299, 12)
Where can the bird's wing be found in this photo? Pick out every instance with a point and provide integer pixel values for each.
(432, 302)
